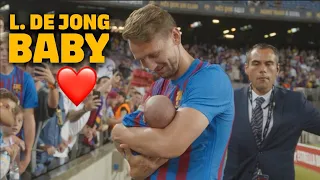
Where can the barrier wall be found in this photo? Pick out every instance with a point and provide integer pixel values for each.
(308, 157)
(104, 163)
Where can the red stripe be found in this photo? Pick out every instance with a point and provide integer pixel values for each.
(175, 96)
(8, 85)
(194, 71)
(149, 92)
(164, 86)
(137, 119)
(163, 172)
(13, 80)
(184, 165)
(22, 84)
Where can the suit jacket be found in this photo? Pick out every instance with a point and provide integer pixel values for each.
(291, 115)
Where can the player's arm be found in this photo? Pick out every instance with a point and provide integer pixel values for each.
(311, 116)
(205, 100)
(169, 142)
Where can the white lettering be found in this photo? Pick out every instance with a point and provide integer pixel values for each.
(307, 158)
(131, 2)
(239, 10)
(293, 13)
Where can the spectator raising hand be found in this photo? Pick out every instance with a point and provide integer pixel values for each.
(92, 102)
(44, 74)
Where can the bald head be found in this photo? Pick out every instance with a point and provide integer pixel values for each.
(159, 111)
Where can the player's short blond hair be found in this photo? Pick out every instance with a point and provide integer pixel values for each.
(143, 24)
(4, 37)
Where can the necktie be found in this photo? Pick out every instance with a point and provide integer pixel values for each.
(257, 119)
(256, 124)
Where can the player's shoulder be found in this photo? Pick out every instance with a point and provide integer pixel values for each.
(211, 73)
(210, 70)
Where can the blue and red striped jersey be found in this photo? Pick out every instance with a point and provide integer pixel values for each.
(206, 88)
(22, 85)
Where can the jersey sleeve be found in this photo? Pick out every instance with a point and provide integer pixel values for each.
(30, 99)
(210, 92)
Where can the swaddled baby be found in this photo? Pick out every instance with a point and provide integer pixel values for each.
(158, 111)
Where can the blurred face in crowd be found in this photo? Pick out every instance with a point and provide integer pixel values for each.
(137, 98)
(15, 129)
(4, 61)
(121, 99)
(113, 102)
(29, 68)
(262, 69)
(8, 103)
(1, 25)
(161, 54)
(104, 80)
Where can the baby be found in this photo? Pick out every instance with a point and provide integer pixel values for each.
(159, 111)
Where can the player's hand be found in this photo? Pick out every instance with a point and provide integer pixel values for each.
(118, 132)
(45, 74)
(92, 102)
(141, 166)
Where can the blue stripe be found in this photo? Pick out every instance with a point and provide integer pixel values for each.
(172, 170)
(154, 175)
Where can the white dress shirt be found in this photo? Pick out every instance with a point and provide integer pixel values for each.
(265, 111)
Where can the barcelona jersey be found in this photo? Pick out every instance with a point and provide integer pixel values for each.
(206, 88)
(22, 85)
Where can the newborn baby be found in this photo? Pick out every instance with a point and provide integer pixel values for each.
(159, 111)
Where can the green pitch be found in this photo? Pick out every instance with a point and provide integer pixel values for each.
(305, 174)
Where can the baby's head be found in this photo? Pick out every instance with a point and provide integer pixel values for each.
(159, 111)
(16, 127)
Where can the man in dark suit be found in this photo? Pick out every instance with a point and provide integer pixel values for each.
(268, 122)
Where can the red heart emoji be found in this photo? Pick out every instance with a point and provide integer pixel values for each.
(75, 85)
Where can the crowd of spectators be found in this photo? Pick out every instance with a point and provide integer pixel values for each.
(64, 131)
(298, 68)
(293, 5)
